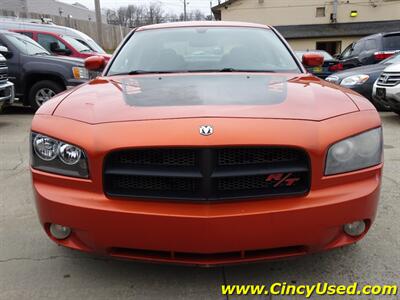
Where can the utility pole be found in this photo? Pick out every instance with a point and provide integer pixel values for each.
(335, 11)
(99, 22)
(184, 10)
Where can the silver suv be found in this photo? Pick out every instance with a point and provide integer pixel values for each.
(387, 88)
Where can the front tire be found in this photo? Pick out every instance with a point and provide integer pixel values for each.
(43, 91)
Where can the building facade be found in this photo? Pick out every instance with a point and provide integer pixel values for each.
(49, 8)
(316, 24)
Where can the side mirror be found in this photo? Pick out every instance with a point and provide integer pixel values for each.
(95, 63)
(4, 51)
(312, 60)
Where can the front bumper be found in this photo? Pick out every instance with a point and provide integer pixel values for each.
(391, 98)
(208, 234)
(7, 93)
(71, 83)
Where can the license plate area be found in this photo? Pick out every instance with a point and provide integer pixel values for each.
(381, 93)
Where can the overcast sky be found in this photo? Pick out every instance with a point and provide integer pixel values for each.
(168, 5)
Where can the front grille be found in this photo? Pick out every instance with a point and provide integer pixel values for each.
(206, 173)
(3, 72)
(389, 79)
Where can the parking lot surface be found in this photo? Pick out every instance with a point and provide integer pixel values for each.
(33, 267)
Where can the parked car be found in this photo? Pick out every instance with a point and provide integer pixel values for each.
(6, 87)
(387, 88)
(62, 30)
(362, 79)
(59, 44)
(330, 65)
(370, 50)
(176, 155)
(36, 74)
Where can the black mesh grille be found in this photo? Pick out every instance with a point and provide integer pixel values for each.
(157, 157)
(152, 183)
(246, 156)
(206, 173)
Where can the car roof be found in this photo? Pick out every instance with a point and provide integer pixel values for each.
(37, 31)
(380, 34)
(202, 24)
(7, 31)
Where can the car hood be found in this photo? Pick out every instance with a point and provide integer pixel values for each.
(63, 59)
(236, 95)
(393, 68)
(367, 70)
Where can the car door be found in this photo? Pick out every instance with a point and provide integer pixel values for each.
(46, 40)
(350, 56)
(13, 64)
(366, 56)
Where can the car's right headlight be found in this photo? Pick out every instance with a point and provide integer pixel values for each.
(358, 152)
(54, 156)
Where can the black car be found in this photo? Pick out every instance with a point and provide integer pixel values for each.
(330, 64)
(370, 50)
(362, 79)
(36, 74)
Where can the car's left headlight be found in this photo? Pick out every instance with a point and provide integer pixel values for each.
(80, 73)
(355, 80)
(333, 79)
(358, 152)
(54, 156)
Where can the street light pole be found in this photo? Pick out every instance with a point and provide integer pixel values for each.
(184, 11)
(99, 22)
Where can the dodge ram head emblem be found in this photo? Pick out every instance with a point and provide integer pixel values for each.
(206, 130)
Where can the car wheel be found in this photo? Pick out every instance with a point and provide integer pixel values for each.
(397, 112)
(42, 91)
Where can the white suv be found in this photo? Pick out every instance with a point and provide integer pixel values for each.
(387, 88)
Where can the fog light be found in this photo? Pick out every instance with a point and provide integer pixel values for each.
(355, 229)
(60, 232)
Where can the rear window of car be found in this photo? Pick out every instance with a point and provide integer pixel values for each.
(199, 49)
(391, 42)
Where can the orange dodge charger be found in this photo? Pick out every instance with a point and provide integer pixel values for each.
(206, 143)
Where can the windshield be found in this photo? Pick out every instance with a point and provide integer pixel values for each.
(325, 54)
(392, 60)
(92, 45)
(196, 49)
(77, 45)
(26, 45)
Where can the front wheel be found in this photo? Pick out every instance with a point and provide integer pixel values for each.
(397, 112)
(42, 91)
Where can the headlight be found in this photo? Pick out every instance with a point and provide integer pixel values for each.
(54, 156)
(333, 79)
(354, 80)
(355, 153)
(80, 73)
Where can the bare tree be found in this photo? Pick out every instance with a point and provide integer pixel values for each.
(153, 13)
